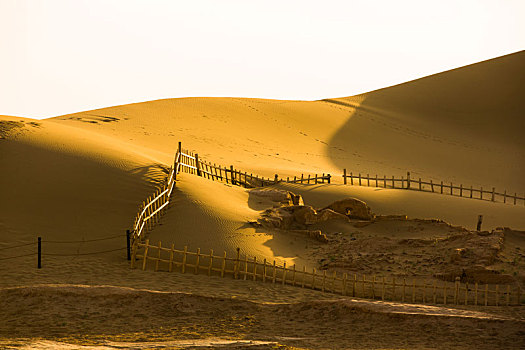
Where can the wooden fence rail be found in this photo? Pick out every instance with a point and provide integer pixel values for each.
(372, 287)
(190, 162)
(409, 183)
(153, 207)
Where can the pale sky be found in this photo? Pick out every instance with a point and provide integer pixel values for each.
(65, 56)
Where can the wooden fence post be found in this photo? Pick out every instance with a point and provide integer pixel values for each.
(264, 270)
(184, 259)
(383, 289)
(394, 288)
(480, 221)
(344, 176)
(128, 244)
(414, 290)
(255, 268)
(493, 190)
(197, 261)
(39, 253)
(223, 268)
(210, 265)
(273, 276)
(351, 178)
(354, 285)
(359, 179)
(408, 180)
(368, 180)
(146, 247)
(237, 262)
(456, 291)
(197, 164)
(170, 269)
(343, 289)
(284, 274)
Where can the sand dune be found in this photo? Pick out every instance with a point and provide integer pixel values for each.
(82, 176)
(106, 161)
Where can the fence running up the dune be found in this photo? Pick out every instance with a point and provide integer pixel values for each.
(151, 210)
(153, 207)
(372, 287)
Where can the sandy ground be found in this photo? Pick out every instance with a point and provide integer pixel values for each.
(96, 315)
(82, 176)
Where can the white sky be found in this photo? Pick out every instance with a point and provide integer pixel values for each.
(64, 56)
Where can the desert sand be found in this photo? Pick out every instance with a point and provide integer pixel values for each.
(82, 177)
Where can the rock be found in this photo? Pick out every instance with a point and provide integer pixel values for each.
(315, 234)
(282, 197)
(353, 208)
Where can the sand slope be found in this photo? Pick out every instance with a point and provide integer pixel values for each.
(464, 125)
(63, 183)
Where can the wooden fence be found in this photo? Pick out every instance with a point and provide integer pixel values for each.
(154, 206)
(190, 162)
(371, 287)
(435, 187)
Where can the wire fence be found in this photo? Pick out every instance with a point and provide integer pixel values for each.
(39, 252)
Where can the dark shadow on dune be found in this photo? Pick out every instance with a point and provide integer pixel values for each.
(59, 195)
(155, 173)
(467, 119)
